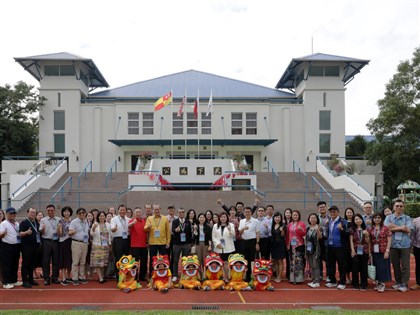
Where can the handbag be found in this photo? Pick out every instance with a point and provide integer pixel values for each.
(372, 271)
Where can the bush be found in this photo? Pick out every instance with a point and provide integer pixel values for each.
(412, 210)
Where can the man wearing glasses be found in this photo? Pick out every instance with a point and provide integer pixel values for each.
(401, 226)
(79, 232)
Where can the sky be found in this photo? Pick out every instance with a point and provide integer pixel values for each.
(248, 40)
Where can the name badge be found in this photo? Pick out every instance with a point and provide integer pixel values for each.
(104, 242)
(201, 237)
(309, 247)
(183, 237)
(222, 242)
(376, 248)
(124, 235)
(398, 236)
(359, 249)
(293, 241)
(156, 233)
(55, 236)
(18, 239)
(38, 238)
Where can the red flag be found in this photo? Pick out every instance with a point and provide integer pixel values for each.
(196, 109)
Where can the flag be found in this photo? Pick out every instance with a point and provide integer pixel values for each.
(163, 101)
(181, 107)
(196, 103)
(210, 106)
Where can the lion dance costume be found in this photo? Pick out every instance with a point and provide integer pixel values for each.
(128, 267)
(161, 276)
(190, 278)
(261, 275)
(213, 266)
(238, 266)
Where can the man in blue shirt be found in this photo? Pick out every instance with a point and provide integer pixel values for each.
(401, 226)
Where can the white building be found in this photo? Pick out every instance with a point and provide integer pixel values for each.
(264, 124)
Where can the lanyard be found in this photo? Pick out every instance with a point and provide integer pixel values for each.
(83, 225)
(181, 225)
(13, 225)
(34, 226)
(154, 220)
(54, 227)
(377, 231)
(123, 224)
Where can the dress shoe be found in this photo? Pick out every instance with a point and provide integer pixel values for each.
(27, 285)
(34, 283)
(47, 282)
(56, 281)
(415, 287)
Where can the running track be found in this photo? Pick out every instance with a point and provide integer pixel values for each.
(286, 296)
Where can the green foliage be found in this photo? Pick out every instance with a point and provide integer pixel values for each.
(357, 146)
(18, 123)
(396, 128)
(412, 209)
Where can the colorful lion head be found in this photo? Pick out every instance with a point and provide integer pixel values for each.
(213, 262)
(262, 270)
(190, 265)
(128, 267)
(161, 265)
(237, 262)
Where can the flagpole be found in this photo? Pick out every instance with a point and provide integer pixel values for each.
(172, 125)
(198, 122)
(211, 123)
(186, 122)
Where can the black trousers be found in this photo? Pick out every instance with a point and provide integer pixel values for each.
(29, 257)
(120, 247)
(140, 254)
(239, 246)
(265, 248)
(249, 253)
(324, 257)
(416, 252)
(10, 260)
(359, 265)
(50, 256)
(337, 256)
(153, 251)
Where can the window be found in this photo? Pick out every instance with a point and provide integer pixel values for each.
(324, 120)
(324, 99)
(59, 70)
(84, 78)
(133, 123)
(177, 124)
(148, 123)
(192, 124)
(59, 143)
(324, 143)
(332, 71)
(251, 123)
(236, 123)
(299, 78)
(59, 120)
(59, 99)
(205, 124)
(316, 71)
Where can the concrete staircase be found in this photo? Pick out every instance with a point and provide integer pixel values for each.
(293, 192)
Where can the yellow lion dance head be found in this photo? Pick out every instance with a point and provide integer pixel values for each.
(127, 271)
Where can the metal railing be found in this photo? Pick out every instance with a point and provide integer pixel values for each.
(84, 173)
(61, 189)
(321, 189)
(296, 168)
(274, 173)
(109, 173)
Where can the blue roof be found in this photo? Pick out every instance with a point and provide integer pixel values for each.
(352, 67)
(193, 82)
(31, 65)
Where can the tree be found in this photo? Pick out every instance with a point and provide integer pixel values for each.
(18, 120)
(396, 128)
(357, 146)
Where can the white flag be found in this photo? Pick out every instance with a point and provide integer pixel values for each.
(210, 106)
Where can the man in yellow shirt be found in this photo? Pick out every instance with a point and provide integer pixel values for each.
(157, 226)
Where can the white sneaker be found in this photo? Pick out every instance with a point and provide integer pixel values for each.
(174, 279)
(18, 284)
(341, 286)
(330, 285)
(314, 285)
(396, 286)
(402, 288)
(328, 279)
(8, 286)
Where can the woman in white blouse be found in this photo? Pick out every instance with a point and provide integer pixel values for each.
(101, 242)
(223, 235)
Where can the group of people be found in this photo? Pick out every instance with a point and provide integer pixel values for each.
(95, 240)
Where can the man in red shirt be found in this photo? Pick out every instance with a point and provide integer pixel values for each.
(139, 241)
